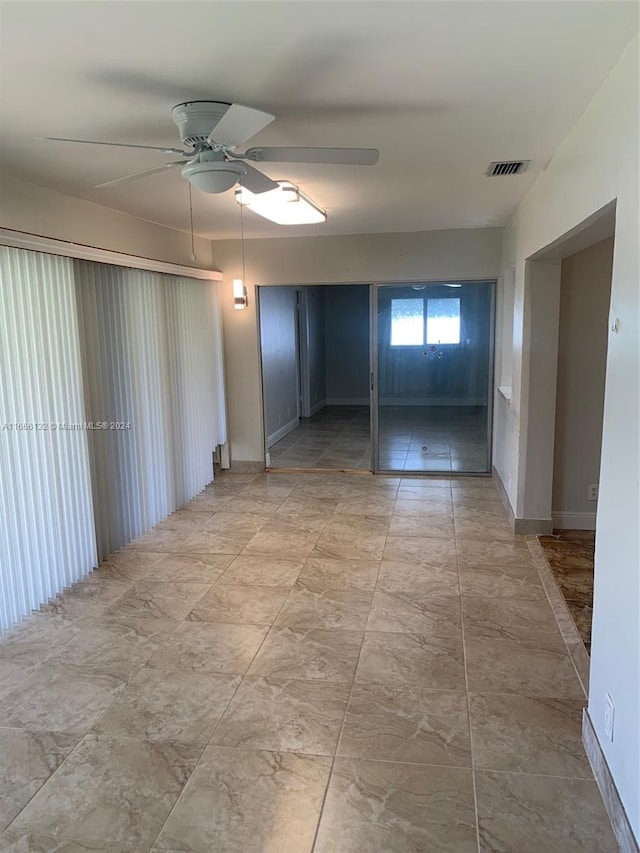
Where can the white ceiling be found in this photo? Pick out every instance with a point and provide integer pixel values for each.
(441, 88)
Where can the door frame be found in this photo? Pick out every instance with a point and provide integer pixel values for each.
(374, 289)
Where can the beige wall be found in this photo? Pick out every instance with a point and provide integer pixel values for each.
(47, 213)
(585, 291)
(596, 164)
(430, 255)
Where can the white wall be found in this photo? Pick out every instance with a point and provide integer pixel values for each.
(347, 344)
(585, 292)
(432, 255)
(48, 213)
(279, 361)
(597, 163)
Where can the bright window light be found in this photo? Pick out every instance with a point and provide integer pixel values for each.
(407, 322)
(443, 321)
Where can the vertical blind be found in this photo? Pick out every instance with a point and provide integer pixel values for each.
(135, 358)
(47, 539)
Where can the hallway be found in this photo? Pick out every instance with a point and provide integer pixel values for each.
(296, 663)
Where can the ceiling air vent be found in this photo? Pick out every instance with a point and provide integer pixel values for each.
(507, 167)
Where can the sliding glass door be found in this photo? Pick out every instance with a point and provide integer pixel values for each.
(432, 377)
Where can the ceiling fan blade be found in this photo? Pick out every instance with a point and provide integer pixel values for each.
(255, 181)
(340, 156)
(135, 175)
(239, 124)
(116, 144)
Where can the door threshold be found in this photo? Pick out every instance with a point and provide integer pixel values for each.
(272, 470)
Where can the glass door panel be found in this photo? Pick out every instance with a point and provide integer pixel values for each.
(433, 362)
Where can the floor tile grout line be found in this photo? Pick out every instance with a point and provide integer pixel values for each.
(466, 682)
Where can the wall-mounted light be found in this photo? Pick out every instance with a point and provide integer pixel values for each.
(239, 294)
(286, 205)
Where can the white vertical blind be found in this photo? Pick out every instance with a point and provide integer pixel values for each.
(152, 358)
(47, 533)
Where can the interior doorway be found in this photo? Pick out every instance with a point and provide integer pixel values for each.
(432, 370)
(315, 376)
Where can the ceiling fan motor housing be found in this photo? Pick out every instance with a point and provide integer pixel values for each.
(211, 173)
(196, 119)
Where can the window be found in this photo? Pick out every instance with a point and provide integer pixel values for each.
(443, 321)
(408, 321)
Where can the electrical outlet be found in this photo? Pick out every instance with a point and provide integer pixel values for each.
(592, 492)
(609, 715)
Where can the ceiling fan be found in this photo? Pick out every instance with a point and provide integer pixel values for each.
(211, 131)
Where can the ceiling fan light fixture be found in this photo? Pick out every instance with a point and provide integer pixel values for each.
(286, 205)
(212, 176)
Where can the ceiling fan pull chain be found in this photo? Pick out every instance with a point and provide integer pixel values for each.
(193, 246)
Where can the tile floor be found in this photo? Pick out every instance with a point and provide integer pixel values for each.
(570, 555)
(297, 663)
(434, 438)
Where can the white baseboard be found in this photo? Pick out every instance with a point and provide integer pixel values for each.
(347, 401)
(574, 520)
(275, 437)
(433, 401)
(318, 407)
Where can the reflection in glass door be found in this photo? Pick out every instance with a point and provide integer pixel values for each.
(433, 363)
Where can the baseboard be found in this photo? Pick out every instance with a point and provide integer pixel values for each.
(279, 434)
(433, 401)
(317, 407)
(246, 466)
(574, 520)
(612, 802)
(525, 526)
(504, 497)
(348, 401)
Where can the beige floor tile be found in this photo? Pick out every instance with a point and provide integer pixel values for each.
(255, 802)
(282, 714)
(491, 552)
(322, 573)
(368, 504)
(182, 707)
(421, 525)
(410, 613)
(111, 790)
(396, 576)
(185, 520)
(534, 813)
(421, 550)
(415, 491)
(407, 723)
(130, 564)
(32, 642)
(352, 524)
(240, 604)
(279, 543)
(166, 541)
(394, 659)
(190, 568)
(347, 546)
(27, 759)
(205, 542)
(265, 504)
(397, 808)
(345, 609)
(210, 647)
(502, 582)
(492, 527)
(159, 600)
(263, 571)
(535, 669)
(237, 523)
(302, 503)
(60, 698)
(11, 676)
(116, 646)
(508, 619)
(308, 654)
(528, 734)
(424, 509)
(18, 841)
(89, 597)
